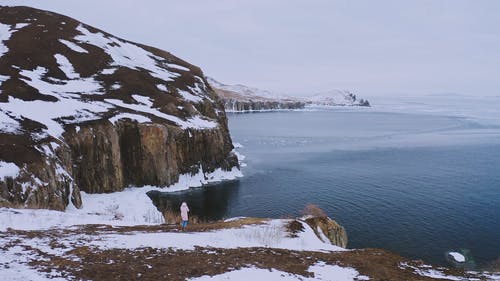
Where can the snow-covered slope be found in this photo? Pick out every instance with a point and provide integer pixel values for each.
(243, 98)
(334, 98)
(83, 109)
(81, 75)
(245, 91)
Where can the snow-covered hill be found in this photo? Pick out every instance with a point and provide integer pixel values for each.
(245, 91)
(83, 109)
(243, 98)
(334, 98)
(58, 73)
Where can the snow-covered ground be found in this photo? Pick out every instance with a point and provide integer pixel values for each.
(321, 271)
(271, 234)
(21, 250)
(131, 206)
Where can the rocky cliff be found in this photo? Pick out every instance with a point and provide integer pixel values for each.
(241, 98)
(326, 228)
(82, 110)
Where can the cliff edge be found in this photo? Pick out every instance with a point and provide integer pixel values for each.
(83, 110)
(241, 98)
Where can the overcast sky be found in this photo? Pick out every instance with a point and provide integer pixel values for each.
(296, 47)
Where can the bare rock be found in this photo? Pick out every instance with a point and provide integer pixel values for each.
(330, 229)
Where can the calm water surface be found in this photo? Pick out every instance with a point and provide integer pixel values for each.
(416, 184)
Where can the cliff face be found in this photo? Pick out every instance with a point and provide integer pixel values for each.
(234, 105)
(82, 110)
(241, 98)
(330, 229)
(106, 157)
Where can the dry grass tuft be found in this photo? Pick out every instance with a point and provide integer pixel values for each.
(294, 227)
(172, 217)
(313, 210)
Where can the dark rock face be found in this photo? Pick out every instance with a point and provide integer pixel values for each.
(250, 105)
(83, 110)
(108, 157)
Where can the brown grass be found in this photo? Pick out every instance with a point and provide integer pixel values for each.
(313, 210)
(293, 228)
(169, 264)
(89, 263)
(172, 217)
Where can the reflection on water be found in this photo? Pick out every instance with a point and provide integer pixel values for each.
(210, 202)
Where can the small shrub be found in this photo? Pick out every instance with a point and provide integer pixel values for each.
(313, 210)
(195, 220)
(293, 228)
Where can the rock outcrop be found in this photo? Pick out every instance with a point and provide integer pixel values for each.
(82, 110)
(234, 105)
(241, 98)
(330, 229)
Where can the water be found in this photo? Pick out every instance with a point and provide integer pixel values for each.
(417, 184)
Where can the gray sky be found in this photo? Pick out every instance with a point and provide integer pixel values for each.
(296, 47)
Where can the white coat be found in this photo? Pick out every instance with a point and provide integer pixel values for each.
(184, 211)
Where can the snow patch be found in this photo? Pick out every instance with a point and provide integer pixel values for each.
(73, 46)
(178, 67)
(8, 125)
(66, 88)
(429, 272)
(193, 122)
(108, 71)
(188, 96)
(125, 54)
(237, 145)
(5, 33)
(199, 179)
(21, 25)
(240, 156)
(321, 272)
(15, 267)
(8, 169)
(66, 67)
(322, 235)
(233, 219)
(457, 256)
(128, 207)
(161, 87)
(143, 100)
(135, 117)
(46, 112)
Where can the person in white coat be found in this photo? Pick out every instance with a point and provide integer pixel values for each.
(184, 214)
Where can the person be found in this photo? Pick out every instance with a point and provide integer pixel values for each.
(184, 215)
